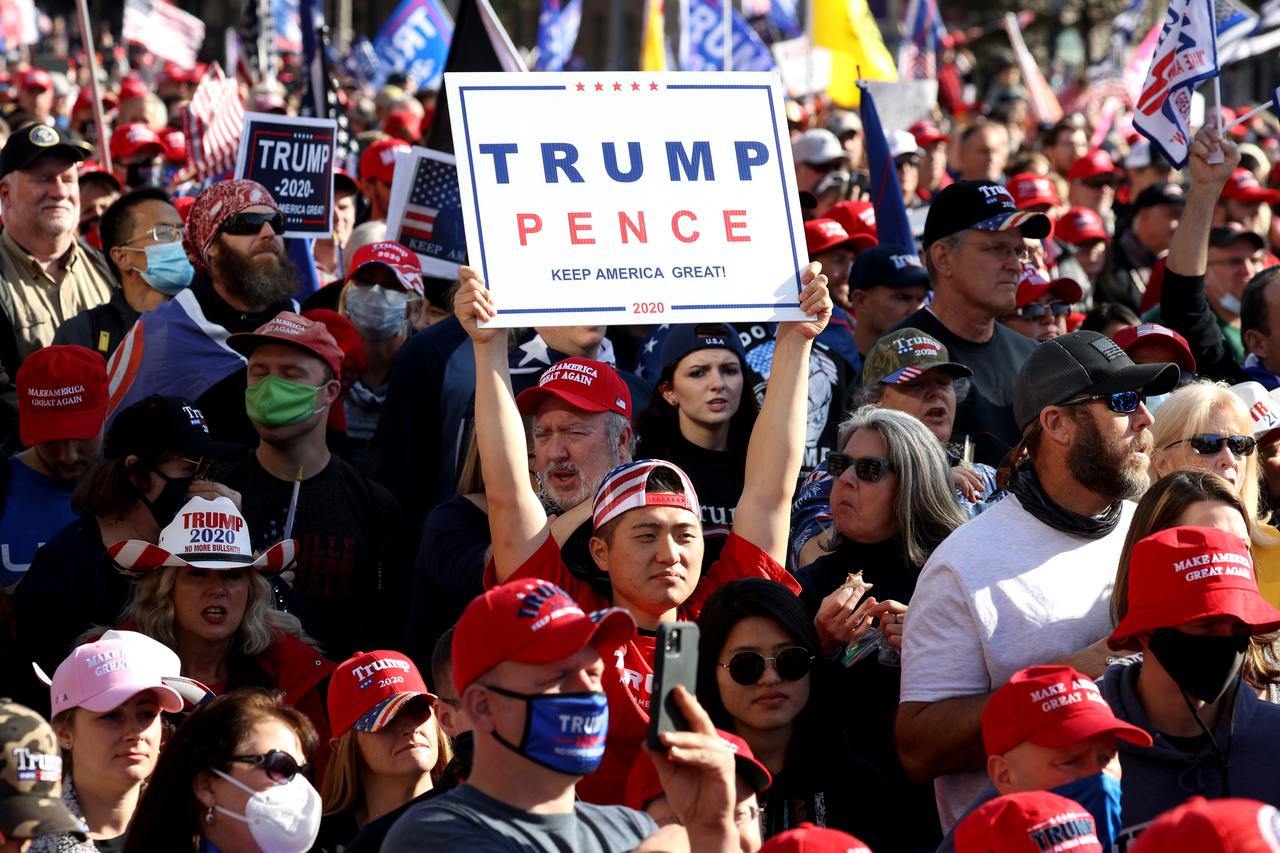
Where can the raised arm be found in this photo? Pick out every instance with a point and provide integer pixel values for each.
(1189, 248)
(776, 449)
(517, 522)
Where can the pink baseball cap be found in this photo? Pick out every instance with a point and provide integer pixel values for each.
(102, 676)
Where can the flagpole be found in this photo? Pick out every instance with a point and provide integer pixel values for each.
(1216, 156)
(727, 23)
(91, 58)
(1261, 108)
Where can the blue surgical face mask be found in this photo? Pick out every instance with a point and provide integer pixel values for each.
(1099, 795)
(1228, 302)
(564, 732)
(168, 268)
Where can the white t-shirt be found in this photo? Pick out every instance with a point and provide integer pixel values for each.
(1003, 592)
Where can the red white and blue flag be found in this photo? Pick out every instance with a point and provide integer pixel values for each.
(173, 350)
(918, 53)
(1186, 54)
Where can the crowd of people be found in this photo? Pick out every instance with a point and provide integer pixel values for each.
(983, 555)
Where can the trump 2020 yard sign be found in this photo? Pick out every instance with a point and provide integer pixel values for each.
(629, 198)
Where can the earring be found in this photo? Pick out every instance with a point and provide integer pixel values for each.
(208, 816)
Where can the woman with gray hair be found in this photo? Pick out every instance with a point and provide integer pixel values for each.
(892, 502)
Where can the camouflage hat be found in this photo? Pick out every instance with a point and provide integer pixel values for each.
(904, 355)
(31, 777)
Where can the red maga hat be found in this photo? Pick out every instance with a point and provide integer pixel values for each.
(859, 221)
(62, 394)
(1029, 188)
(395, 257)
(1031, 821)
(1184, 574)
(807, 838)
(1050, 706)
(1034, 283)
(295, 330)
(927, 133)
(583, 383)
(367, 690)
(530, 621)
(1080, 225)
(379, 160)
(1133, 338)
(1213, 826)
(1243, 186)
(1094, 163)
(135, 138)
(827, 235)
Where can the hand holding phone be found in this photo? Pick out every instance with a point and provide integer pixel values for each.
(675, 661)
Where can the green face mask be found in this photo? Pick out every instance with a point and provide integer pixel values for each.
(274, 401)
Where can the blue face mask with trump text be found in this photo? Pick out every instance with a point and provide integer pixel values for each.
(564, 732)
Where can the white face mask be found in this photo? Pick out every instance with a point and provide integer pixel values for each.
(1229, 303)
(283, 818)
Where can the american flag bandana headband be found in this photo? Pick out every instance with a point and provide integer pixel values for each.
(624, 488)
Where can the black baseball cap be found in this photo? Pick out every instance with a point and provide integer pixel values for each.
(984, 205)
(1082, 363)
(1225, 235)
(1161, 192)
(889, 264)
(164, 423)
(30, 143)
(686, 338)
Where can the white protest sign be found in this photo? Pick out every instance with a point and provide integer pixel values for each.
(632, 197)
(804, 69)
(293, 158)
(902, 103)
(424, 213)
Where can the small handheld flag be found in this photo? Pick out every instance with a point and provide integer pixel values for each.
(1186, 54)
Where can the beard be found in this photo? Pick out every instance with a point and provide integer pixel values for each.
(253, 279)
(1109, 467)
(586, 490)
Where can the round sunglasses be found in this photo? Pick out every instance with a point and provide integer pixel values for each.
(245, 223)
(868, 469)
(1209, 443)
(791, 665)
(279, 765)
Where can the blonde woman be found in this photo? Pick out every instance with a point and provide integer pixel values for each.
(1204, 426)
(389, 750)
(202, 593)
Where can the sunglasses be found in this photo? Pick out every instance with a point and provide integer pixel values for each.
(244, 224)
(791, 665)
(1121, 402)
(868, 469)
(1209, 443)
(1098, 183)
(279, 765)
(1037, 310)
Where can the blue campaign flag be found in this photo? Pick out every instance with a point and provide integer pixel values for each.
(557, 34)
(892, 225)
(784, 17)
(415, 41)
(704, 35)
(362, 63)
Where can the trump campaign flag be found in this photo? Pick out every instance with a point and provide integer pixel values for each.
(704, 33)
(557, 33)
(1186, 53)
(892, 225)
(415, 41)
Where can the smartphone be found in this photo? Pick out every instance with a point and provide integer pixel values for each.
(675, 661)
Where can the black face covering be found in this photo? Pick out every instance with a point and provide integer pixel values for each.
(1204, 667)
(144, 175)
(171, 498)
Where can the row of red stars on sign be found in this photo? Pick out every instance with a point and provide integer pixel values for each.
(617, 87)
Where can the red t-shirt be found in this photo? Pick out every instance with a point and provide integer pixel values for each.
(630, 692)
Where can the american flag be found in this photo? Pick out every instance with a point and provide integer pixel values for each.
(435, 187)
(255, 54)
(918, 54)
(320, 86)
(165, 30)
(213, 122)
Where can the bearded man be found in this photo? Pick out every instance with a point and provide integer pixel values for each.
(983, 611)
(243, 279)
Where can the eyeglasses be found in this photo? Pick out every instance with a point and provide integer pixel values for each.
(868, 469)
(1023, 252)
(1121, 402)
(1037, 310)
(1209, 443)
(279, 765)
(791, 665)
(163, 233)
(1098, 183)
(244, 224)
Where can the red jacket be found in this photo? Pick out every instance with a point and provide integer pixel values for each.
(302, 674)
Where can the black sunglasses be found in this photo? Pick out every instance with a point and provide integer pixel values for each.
(1036, 310)
(1209, 443)
(791, 665)
(1121, 402)
(868, 469)
(279, 765)
(1098, 183)
(244, 224)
